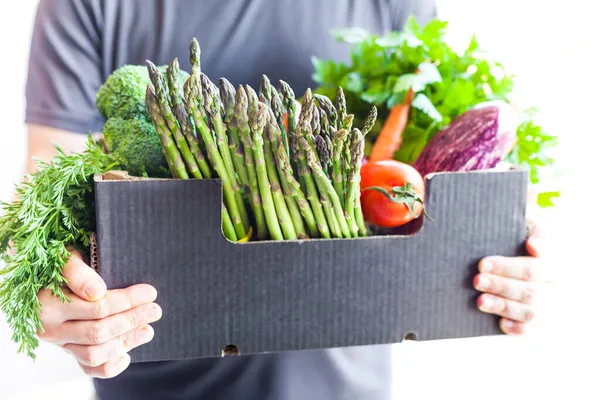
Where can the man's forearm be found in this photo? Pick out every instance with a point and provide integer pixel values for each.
(41, 141)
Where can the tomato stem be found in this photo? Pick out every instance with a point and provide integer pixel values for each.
(402, 194)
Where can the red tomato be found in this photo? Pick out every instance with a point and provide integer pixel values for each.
(391, 176)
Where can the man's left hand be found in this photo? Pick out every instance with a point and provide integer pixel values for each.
(509, 285)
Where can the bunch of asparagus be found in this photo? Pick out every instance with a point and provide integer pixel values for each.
(286, 175)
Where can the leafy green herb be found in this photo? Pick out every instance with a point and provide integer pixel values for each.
(446, 83)
(53, 210)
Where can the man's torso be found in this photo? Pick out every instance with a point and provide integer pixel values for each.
(240, 40)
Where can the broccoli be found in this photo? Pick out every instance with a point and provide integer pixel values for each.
(135, 146)
(122, 95)
(129, 133)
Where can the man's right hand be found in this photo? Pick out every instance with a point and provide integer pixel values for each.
(99, 326)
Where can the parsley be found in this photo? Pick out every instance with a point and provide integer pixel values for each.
(448, 83)
(54, 209)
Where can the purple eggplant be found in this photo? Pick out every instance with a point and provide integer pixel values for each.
(477, 139)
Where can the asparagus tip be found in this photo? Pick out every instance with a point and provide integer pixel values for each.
(195, 53)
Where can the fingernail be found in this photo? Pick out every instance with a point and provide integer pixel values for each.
(145, 333)
(533, 243)
(482, 282)
(487, 303)
(94, 289)
(486, 266)
(154, 312)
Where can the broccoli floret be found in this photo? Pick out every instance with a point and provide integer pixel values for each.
(122, 95)
(129, 133)
(136, 147)
(124, 92)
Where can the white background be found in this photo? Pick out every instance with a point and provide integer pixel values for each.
(553, 49)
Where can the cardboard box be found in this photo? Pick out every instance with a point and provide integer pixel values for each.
(270, 296)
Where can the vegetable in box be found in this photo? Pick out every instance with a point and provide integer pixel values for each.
(287, 172)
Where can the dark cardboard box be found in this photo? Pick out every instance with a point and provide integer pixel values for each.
(293, 295)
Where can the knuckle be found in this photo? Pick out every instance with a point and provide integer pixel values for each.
(502, 306)
(98, 333)
(101, 309)
(527, 272)
(90, 356)
(134, 319)
(528, 315)
(496, 285)
(528, 294)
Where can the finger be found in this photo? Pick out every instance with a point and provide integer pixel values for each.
(95, 356)
(108, 370)
(508, 288)
(509, 309)
(522, 268)
(82, 279)
(55, 312)
(114, 302)
(511, 327)
(101, 331)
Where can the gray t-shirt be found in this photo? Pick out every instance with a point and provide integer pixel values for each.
(77, 44)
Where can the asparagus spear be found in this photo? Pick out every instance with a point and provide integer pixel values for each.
(265, 89)
(340, 105)
(169, 148)
(273, 136)
(195, 57)
(329, 220)
(306, 179)
(161, 90)
(257, 125)
(327, 106)
(289, 104)
(183, 118)
(370, 121)
(188, 131)
(329, 147)
(228, 228)
(235, 146)
(358, 215)
(336, 174)
(346, 164)
(357, 150)
(283, 163)
(286, 221)
(212, 107)
(241, 122)
(323, 153)
(278, 110)
(213, 155)
(325, 186)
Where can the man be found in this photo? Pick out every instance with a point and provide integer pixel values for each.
(75, 46)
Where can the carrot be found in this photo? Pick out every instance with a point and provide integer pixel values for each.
(285, 121)
(390, 138)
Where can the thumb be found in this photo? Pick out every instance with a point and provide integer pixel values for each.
(82, 279)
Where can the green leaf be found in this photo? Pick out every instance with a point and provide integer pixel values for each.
(408, 81)
(394, 99)
(352, 82)
(544, 199)
(376, 94)
(423, 103)
(429, 73)
(391, 40)
(473, 45)
(412, 25)
(350, 35)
